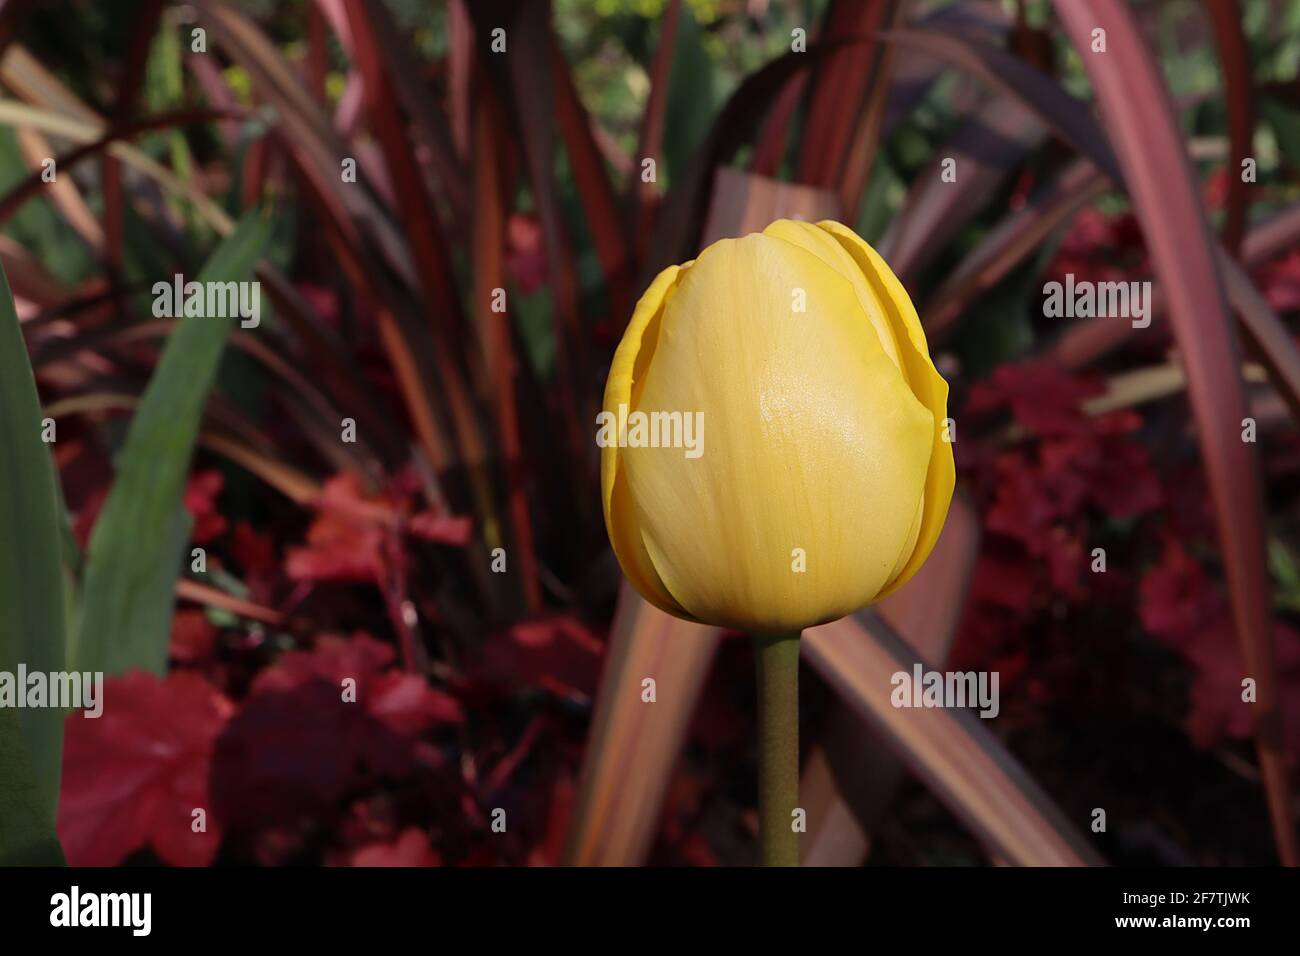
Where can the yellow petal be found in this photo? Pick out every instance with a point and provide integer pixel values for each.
(812, 441)
(631, 358)
(826, 248)
(928, 385)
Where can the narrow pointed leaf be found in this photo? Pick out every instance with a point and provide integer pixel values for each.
(633, 746)
(32, 627)
(961, 762)
(135, 551)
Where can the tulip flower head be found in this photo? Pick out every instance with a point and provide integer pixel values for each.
(827, 471)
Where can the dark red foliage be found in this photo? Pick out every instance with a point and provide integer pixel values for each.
(557, 653)
(1101, 248)
(134, 776)
(411, 848)
(1042, 493)
(193, 638)
(200, 499)
(1184, 608)
(347, 541)
(1052, 491)
(320, 724)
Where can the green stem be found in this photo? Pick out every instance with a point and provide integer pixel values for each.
(777, 660)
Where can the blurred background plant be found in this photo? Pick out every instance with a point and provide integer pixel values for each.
(351, 467)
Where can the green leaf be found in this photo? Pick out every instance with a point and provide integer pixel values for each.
(136, 550)
(32, 630)
(27, 836)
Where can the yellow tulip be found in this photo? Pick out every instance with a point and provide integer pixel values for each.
(825, 472)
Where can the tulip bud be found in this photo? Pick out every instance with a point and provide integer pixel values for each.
(824, 441)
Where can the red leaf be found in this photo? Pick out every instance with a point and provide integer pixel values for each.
(298, 746)
(254, 550)
(444, 529)
(193, 636)
(133, 776)
(1186, 610)
(1041, 395)
(201, 502)
(333, 659)
(344, 543)
(411, 848)
(1177, 596)
(556, 652)
(408, 705)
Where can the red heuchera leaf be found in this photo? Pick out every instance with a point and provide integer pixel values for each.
(1177, 596)
(255, 553)
(133, 776)
(1098, 248)
(1077, 461)
(298, 746)
(201, 502)
(254, 550)
(444, 529)
(1040, 497)
(555, 652)
(1182, 607)
(193, 636)
(1020, 508)
(403, 702)
(408, 705)
(411, 848)
(1041, 395)
(347, 540)
(344, 543)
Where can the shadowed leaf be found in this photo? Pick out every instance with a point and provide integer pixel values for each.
(981, 153)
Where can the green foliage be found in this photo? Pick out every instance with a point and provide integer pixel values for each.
(32, 629)
(136, 549)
